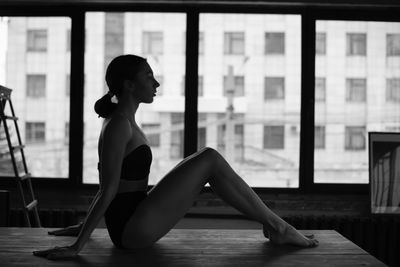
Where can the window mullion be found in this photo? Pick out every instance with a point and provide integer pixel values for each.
(306, 171)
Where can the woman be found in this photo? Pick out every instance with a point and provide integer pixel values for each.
(135, 218)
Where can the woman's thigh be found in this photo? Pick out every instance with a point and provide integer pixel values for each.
(169, 200)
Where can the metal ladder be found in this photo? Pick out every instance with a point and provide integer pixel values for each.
(24, 176)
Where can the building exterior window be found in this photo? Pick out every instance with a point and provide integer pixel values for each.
(274, 88)
(67, 85)
(393, 44)
(238, 141)
(152, 131)
(37, 40)
(201, 137)
(176, 151)
(393, 90)
(356, 90)
(356, 44)
(319, 137)
(234, 43)
(201, 43)
(275, 43)
(238, 85)
(153, 43)
(320, 45)
(66, 133)
(68, 43)
(160, 80)
(274, 137)
(35, 132)
(35, 85)
(355, 138)
(320, 89)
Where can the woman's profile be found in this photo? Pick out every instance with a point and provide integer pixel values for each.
(134, 217)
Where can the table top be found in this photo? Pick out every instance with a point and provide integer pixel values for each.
(185, 247)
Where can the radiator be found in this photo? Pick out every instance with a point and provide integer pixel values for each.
(379, 236)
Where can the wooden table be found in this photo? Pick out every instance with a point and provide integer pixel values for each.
(186, 247)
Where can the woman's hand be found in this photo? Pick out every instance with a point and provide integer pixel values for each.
(57, 253)
(68, 231)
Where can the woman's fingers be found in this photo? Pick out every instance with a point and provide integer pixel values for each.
(56, 253)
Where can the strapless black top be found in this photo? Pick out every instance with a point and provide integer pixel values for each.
(136, 165)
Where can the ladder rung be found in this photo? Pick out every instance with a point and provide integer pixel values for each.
(25, 176)
(11, 118)
(31, 205)
(18, 147)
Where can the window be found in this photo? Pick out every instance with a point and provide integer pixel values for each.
(234, 43)
(274, 137)
(320, 90)
(160, 80)
(355, 138)
(356, 90)
(147, 34)
(66, 134)
(37, 40)
(35, 132)
(393, 90)
(319, 140)
(35, 85)
(238, 86)
(320, 45)
(152, 131)
(237, 151)
(275, 43)
(68, 42)
(356, 44)
(201, 43)
(153, 43)
(393, 44)
(67, 85)
(274, 88)
(201, 137)
(357, 96)
(177, 136)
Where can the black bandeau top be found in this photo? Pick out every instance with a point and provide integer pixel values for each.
(136, 165)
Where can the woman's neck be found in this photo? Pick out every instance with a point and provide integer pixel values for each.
(128, 106)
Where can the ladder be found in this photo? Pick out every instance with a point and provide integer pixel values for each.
(24, 176)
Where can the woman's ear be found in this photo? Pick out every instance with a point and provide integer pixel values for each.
(128, 84)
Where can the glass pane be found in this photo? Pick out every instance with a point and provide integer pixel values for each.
(250, 104)
(33, 63)
(361, 70)
(157, 37)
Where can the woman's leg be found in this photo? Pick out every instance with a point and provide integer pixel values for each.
(170, 199)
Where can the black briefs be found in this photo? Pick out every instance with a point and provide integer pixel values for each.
(118, 213)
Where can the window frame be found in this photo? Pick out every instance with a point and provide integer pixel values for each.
(310, 12)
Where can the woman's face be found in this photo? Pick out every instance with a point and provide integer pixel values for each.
(144, 85)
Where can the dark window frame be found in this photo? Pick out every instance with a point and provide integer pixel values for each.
(310, 12)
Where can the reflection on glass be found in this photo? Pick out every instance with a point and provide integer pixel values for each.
(249, 102)
(34, 64)
(356, 91)
(157, 37)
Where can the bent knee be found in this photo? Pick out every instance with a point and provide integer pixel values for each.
(141, 237)
(209, 152)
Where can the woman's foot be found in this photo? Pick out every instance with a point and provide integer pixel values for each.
(289, 235)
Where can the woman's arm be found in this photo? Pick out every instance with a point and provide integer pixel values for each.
(115, 137)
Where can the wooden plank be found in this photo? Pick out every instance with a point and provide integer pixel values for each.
(185, 247)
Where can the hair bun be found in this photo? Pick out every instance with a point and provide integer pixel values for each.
(104, 107)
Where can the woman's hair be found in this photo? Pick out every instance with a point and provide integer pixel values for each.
(121, 68)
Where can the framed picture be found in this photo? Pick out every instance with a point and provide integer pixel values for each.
(384, 172)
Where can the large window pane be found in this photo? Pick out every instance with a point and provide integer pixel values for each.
(361, 70)
(33, 63)
(250, 104)
(157, 37)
